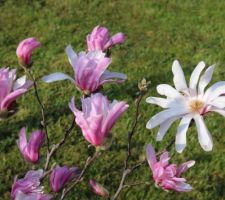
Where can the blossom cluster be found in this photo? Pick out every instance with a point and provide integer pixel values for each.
(96, 117)
(98, 114)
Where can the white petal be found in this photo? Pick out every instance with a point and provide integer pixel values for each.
(206, 78)
(72, 56)
(165, 115)
(58, 76)
(181, 133)
(110, 76)
(219, 102)
(167, 90)
(195, 77)
(164, 103)
(214, 91)
(204, 136)
(19, 82)
(219, 111)
(97, 54)
(178, 76)
(164, 128)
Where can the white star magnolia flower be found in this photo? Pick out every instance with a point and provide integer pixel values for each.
(188, 103)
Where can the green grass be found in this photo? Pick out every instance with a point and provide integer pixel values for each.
(158, 31)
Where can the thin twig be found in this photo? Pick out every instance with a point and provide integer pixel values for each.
(43, 122)
(77, 180)
(55, 147)
(127, 170)
(131, 133)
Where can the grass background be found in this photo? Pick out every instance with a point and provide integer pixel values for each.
(158, 31)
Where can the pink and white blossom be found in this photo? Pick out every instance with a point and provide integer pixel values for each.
(90, 71)
(189, 103)
(100, 39)
(168, 176)
(31, 150)
(11, 88)
(25, 50)
(97, 117)
(60, 176)
(29, 188)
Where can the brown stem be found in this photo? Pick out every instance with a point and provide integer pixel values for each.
(131, 133)
(127, 170)
(77, 180)
(43, 122)
(55, 147)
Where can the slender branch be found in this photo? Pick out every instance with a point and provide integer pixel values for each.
(77, 180)
(127, 170)
(125, 173)
(124, 176)
(55, 147)
(131, 133)
(43, 122)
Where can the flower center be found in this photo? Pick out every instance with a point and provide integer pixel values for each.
(196, 105)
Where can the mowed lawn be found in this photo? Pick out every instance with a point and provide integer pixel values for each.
(158, 31)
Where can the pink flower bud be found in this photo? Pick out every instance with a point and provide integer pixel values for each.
(60, 176)
(97, 117)
(29, 188)
(31, 150)
(168, 176)
(10, 89)
(100, 39)
(98, 189)
(25, 49)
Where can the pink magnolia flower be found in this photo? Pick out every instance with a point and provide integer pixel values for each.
(97, 117)
(25, 49)
(31, 150)
(100, 39)
(60, 176)
(11, 89)
(98, 189)
(90, 71)
(28, 188)
(168, 176)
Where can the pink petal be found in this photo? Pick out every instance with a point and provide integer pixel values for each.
(11, 98)
(151, 156)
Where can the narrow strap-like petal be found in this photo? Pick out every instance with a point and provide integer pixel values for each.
(204, 136)
(168, 91)
(165, 115)
(195, 77)
(72, 56)
(178, 76)
(205, 79)
(214, 91)
(22, 142)
(151, 156)
(184, 167)
(164, 128)
(181, 133)
(58, 76)
(108, 76)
